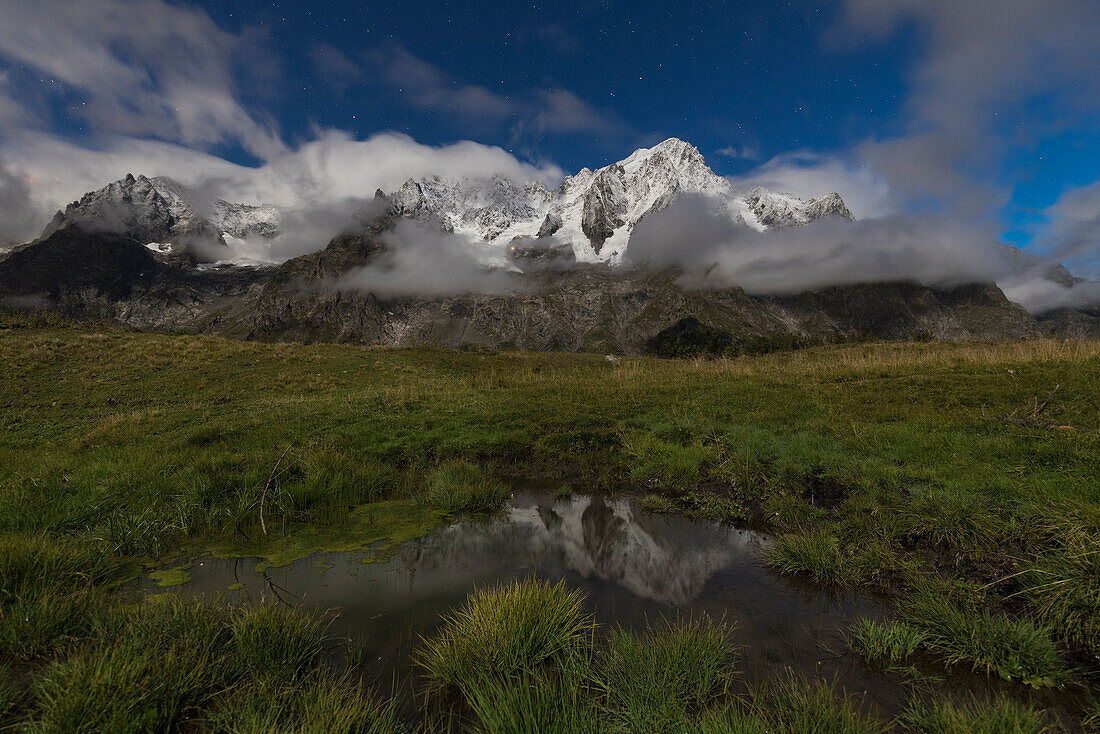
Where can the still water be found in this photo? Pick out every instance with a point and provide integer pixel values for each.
(634, 567)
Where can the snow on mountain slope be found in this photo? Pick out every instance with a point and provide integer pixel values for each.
(595, 212)
(161, 211)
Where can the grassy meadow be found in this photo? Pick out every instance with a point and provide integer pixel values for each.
(960, 480)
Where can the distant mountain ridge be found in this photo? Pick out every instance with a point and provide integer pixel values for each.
(128, 252)
(592, 213)
(595, 212)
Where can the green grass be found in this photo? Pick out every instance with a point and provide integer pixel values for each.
(656, 503)
(515, 629)
(1014, 649)
(459, 486)
(872, 462)
(891, 640)
(792, 705)
(816, 554)
(1063, 586)
(558, 702)
(999, 716)
(157, 666)
(317, 704)
(277, 644)
(661, 679)
(51, 590)
(148, 670)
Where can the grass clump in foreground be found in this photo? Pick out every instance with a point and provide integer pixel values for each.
(516, 629)
(459, 486)
(51, 590)
(661, 679)
(998, 716)
(793, 705)
(1014, 649)
(158, 666)
(675, 676)
(1063, 587)
(891, 640)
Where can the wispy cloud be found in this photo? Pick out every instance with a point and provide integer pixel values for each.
(993, 74)
(335, 67)
(134, 67)
(427, 86)
(739, 152)
(530, 112)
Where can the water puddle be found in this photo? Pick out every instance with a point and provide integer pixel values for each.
(633, 565)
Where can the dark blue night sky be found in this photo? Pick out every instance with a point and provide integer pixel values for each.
(719, 75)
(988, 110)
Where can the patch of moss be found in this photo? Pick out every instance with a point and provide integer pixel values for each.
(378, 527)
(171, 576)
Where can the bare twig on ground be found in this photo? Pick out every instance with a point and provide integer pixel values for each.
(1035, 420)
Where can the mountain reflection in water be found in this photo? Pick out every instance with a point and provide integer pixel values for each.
(605, 539)
(633, 566)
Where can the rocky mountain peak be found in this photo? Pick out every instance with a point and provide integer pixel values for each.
(165, 214)
(774, 209)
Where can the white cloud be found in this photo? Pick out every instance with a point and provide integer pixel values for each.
(140, 67)
(983, 66)
(422, 262)
(732, 151)
(697, 236)
(535, 111)
(1073, 230)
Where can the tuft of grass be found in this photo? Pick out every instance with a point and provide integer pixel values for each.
(1002, 715)
(547, 703)
(314, 705)
(278, 644)
(663, 463)
(1091, 716)
(1014, 649)
(509, 630)
(51, 591)
(950, 517)
(892, 640)
(815, 553)
(148, 669)
(790, 511)
(1062, 588)
(792, 705)
(459, 486)
(660, 679)
(657, 504)
(711, 507)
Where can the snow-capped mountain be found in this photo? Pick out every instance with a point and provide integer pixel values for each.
(165, 214)
(590, 216)
(595, 212)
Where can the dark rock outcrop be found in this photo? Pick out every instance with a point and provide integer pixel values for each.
(604, 206)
